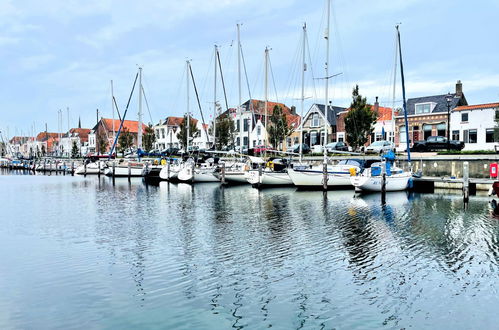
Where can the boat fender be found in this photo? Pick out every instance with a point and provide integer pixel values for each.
(410, 183)
(270, 164)
(353, 171)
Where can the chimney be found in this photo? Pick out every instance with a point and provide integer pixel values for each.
(293, 110)
(376, 105)
(459, 88)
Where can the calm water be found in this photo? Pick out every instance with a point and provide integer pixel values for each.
(81, 253)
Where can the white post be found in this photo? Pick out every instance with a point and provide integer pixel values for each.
(112, 108)
(215, 101)
(324, 169)
(188, 114)
(304, 68)
(240, 110)
(266, 98)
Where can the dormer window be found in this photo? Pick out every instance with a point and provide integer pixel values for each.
(423, 108)
(315, 120)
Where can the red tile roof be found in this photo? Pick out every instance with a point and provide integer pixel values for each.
(19, 139)
(82, 133)
(477, 106)
(384, 113)
(42, 136)
(131, 125)
(258, 107)
(177, 121)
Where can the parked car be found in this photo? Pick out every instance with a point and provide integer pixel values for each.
(305, 148)
(336, 146)
(437, 143)
(379, 147)
(172, 151)
(260, 149)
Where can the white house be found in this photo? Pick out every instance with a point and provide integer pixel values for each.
(474, 125)
(166, 134)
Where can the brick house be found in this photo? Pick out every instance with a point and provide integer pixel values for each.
(109, 128)
(427, 116)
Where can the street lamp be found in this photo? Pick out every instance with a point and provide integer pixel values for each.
(449, 100)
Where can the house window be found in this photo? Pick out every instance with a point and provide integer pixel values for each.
(245, 141)
(489, 135)
(237, 126)
(288, 142)
(455, 135)
(322, 139)
(442, 129)
(258, 130)
(427, 130)
(246, 125)
(423, 108)
(315, 120)
(464, 116)
(254, 143)
(472, 135)
(402, 137)
(238, 141)
(313, 138)
(163, 133)
(296, 140)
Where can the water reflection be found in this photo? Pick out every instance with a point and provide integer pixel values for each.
(205, 256)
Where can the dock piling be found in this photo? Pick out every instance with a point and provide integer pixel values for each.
(466, 182)
(324, 176)
(129, 172)
(223, 173)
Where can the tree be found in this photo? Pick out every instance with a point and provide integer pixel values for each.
(182, 133)
(359, 121)
(278, 129)
(149, 138)
(125, 140)
(225, 131)
(102, 143)
(74, 150)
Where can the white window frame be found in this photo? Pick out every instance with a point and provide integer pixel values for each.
(429, 104)
(315, 122)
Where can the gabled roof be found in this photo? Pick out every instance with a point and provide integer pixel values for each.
(131, 125)
(44, 136)
(177, 121)
(19, 139)
(439, 100)
(332, 112)
(477, 106)
(258, 107)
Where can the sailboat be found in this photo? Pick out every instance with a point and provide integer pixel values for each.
(325, 176)
(274, 173)
(383, 176)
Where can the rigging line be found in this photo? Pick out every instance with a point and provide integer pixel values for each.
(294, 65)
(147, 104)
(247, 84)
(273, 80)
(176, 102)
(117, 110)
(223, 82)
(124, 114)
(199, 105)
(208, 71)
(311, 66)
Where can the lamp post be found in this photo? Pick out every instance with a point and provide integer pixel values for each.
(449, 100)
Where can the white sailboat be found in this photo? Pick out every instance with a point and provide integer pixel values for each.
(383, 176)
(170, 171)
(91, 168)
(125, 169)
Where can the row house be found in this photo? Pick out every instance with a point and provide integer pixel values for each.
(428, 116)
(108, 128)
(383, 128)
(18, 145)
(252, 120)
(166, 134)
(313, 125)
(475, 125)
(46, 143)
(74, 135)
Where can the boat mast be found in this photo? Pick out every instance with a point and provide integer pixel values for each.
(139, 134)
(304, 68)
(394, 87)
(215, 101)
(188, 64)
(266, 98)
(327, 82)
(403, 96)
(240, 110)
(112, 107)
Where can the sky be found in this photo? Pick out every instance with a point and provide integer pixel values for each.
(60, 55)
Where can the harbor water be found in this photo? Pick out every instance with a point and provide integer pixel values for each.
(89, 254)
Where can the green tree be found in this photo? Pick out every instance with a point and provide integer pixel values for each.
(182, 133)
(74, 150)
(225, 132)
(278, 129)
(125, 140)
(359, 121)
(102, 143)
(149, 138)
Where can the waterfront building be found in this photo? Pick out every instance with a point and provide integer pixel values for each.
(252, 121)
(48, 142)
(383, 128)
(474, 125)
(313, 125)
(108, 128)
(166, 134)
(75, 135)
(427, 116)
(18, 145)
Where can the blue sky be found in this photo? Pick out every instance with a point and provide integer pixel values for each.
(59, 54)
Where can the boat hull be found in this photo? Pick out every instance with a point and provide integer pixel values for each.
(268, 178)
(122, 171)
(374, 183)
(313, 179)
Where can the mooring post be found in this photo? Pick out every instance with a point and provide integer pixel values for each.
(168, 169)
(64, 167)
(84, 168)
(324, 176)
(129, 171)
(383, 182)
(466, 181)
(114, 169)
(72, 168)
(223, 173)
(98, 169)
